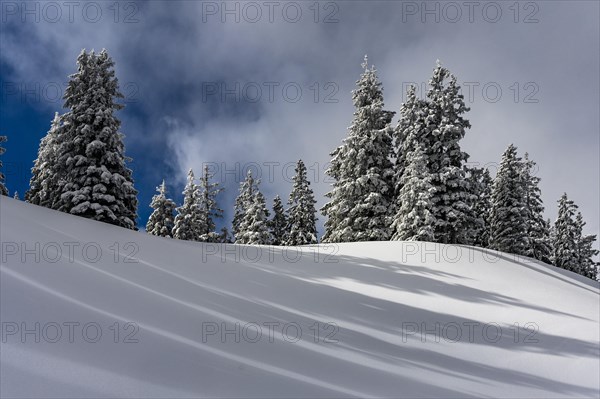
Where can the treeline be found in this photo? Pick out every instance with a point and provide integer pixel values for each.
(410, 181)
(252, 220)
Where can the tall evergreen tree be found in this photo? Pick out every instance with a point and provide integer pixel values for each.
(94, 180)
(566, 236)
(188, 219)
(278, 222)
(243, 201)
(508, 216)
(538, 231)
(161, 221)
(3, 189)
(254, 229)
(414, 218)
(302, 220)
(43, 186)
(585, 250)
(361, 199)
(209, 210)
(573, 250)
(445, 126)
(408, 135)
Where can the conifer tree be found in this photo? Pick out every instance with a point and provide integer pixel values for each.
(572, 250)
(94, 181)
(361, 199)
(188, 219)
(408, 135)
(566, 236)
(538, 231)
(508, 216)
(278, 222)
(445, 126)
(414, 218)
(254, 229)
(161, 221)
(301, 220)
(209, 210)
(43, 186)
(3, 189)
(243, 201)
(16, 196)
(586, 252)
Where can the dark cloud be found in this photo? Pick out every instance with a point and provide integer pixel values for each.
(180, 57)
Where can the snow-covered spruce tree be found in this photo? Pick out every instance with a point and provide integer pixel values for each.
(188, 220)
(243, 201)
(566, 236)
(16, 196)
(94, 180)
(508, 216)
(254, 229)
(3, 189)
(207, 204)
(445, 126)
(360, 206)
(278, 222)
(408, 135)
(301, 220)
(585, 250)
(538, 231)
(480, 184)
(414, 218)
(43, 185)
(161, 221)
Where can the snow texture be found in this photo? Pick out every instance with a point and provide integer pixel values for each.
(374, 294)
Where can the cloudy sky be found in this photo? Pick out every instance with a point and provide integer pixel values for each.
(262, 84)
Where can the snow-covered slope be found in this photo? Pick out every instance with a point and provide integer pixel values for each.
(371, 303)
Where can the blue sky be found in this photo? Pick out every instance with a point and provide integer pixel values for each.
(253, 86)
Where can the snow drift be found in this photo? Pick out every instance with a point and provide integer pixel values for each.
(93, 310)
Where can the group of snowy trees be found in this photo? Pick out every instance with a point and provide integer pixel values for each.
(408, 182)
(412, 182)
(81, 164)
(195, 220)
(516, 222)
(517, 225)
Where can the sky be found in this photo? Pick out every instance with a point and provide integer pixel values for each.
(259, 85)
